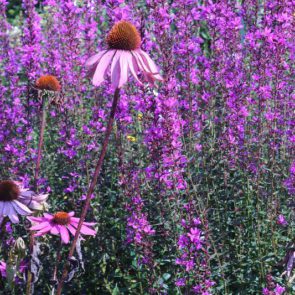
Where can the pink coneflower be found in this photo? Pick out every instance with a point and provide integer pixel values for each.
(15, 199)
(3, 269)
(61, 223)
(123, 55)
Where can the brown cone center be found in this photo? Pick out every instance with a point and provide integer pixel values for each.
(123, 36)
(48, 82)
(61, 218)
(9, 191)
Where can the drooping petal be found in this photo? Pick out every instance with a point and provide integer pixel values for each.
(43, 231)
(76, 220)
(115, 69)
(71, 229)
(48, 216)
(20, 208)
(151, 65)
(13, 216)
(65, 237)
(39, 226)
(94, 58)
(35, 205)
(2, 204)
(36, 219)
(5, 208)
(85, 230)
(123, 68)
(27, 194)
(54, 230)
(102, 67)
(133, 67)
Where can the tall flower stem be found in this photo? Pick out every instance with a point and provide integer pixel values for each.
(58, 259)
(91, 187)
(36, 177)
(41, 139)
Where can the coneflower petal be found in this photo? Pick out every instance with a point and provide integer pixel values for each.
(94, 58)
(64, 234)
(102, 67)
(133, 67)
(123, 68)
(20, 208)
(115, 69)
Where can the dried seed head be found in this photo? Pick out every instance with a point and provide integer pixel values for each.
(124, 36)
(48, 82)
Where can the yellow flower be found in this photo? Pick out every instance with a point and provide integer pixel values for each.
(131, 138)
(139, 116)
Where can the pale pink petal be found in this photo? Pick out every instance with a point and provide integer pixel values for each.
(141, 64)
(35, 205)
(75, 220)
(123, 68)
(87, 231)
(65, 237)
(133, 67)
(2, 208)
(40, 226)
(2, 204)
(115, 69)
(54, 230)
(41, 197)
(20, 208)
(13, 216)
(102, 67)
(48, 216)
(27, 193)
(71, 214)
(43, 231)
(151, 65)
(71, 229)
(36, 219)
(94, 58)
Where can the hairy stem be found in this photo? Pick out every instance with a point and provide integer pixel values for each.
(91, 187)
(41, 139)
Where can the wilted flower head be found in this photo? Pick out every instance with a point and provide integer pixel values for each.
(123, 55)
(15, 199)
(61, 223)
(48, 82)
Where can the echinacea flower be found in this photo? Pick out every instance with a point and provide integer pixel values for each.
(48, 82)
(123, 55)
(3, 269)
(61, 223)
(15, 199)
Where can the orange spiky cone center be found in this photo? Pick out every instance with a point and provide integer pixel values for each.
(61, 218)
(9, 191)
(48, 82)
(123, 36)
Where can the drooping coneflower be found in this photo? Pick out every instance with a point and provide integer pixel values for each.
(61, 223)
(15, 199)
(123, 55)
(48, 82)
